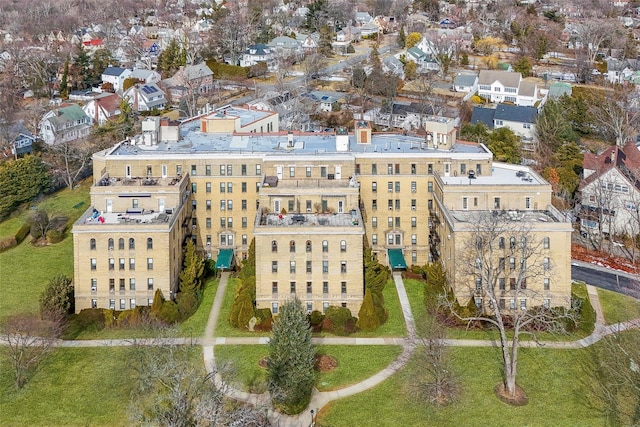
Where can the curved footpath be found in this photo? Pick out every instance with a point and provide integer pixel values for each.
(320, 399)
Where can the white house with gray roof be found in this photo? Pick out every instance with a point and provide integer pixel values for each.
(506, 86)
(116, 76)
(465, 83)
(257, 53)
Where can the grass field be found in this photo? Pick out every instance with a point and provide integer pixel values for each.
(26, 269)
(355, 363)
(617, 307)
(394, 327)
(73, 387)
(553, 379)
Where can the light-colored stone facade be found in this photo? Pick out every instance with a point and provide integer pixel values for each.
(383, 190)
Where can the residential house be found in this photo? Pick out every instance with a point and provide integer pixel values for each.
(256, 53)
(391, 64)
(362, 18)
(102, 108)
(369, 29)
(286, 47)
(405, 115)
(325, 101)
(116, 76)
(145, 76)
(192, 78)
(610, 192)
(466, 83)
(145, 97)
(309, 42)
(64, 124)
(521, 120)
(621, 71)
(505, 86)
(292, 111)
(424, 62)
(19, 139)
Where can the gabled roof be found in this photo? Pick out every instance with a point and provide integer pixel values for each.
(465, 80)
(515, 113)
(403, 107)
(109, 103)
(197, 71)
(259, 49)
(69, 113)
(416, 52)
(507, 78)
(113, 71)
(483, 115)
(625, 159)
(527, 88)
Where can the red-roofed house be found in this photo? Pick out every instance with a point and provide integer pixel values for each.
(102, 108)
(610, 192)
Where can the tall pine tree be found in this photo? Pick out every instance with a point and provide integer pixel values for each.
(291, 356)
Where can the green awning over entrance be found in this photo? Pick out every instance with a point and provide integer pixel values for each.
(225, 258)
(396, 259)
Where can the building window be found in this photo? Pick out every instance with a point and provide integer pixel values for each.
(374, 239)
(208, 222)
(149, 263)
(414, 222)
(244, 222)
(134, 203)
(258, 169)
(132, 243)
(309, 266)
(112, 264)
(390, 204)
(343, 266)
(244, 239)
(430, 187)
(308, 171)
(94, 303)
(546, 283)
(207, 187)
(292, 246)
(374, 187)
(523, 304)
(397, 186)
(323, 171)
(390, 186)
(390, 221)
(229, 187)
(121, 263)
(374, 169)
(512, 243)
(230, 222)
(274, 266)
(414, 239)
(292, 287)
(121, 244)
(292, 267)
(309, 288)
(112, 285)
(274, 246)
(132, 284)
(343, 246)
(374, 204)
(465, 203)
(527, 202)
(430, 168)
(325, 287)
(274, 308)
(325, 246)
(397, 222)
(112, 304)
(207, 170)
(121, 285)
(208, 205)
(94, 264)
(132, 263)
(194, 187)
(397, 203)
(325, 266)
(501, 264)
(413, 168)
(501, 243)
(92, 244)
(389, 168)
(223, 187)
(149, 243)
(512, 263)
(150, 284)
(343, 287)
(274, 287)
(223, 170)
(292, 171)
(414, 186)
(496, 203)
(546, 243)
(308, 246)
(546, 264)
(414, 257)
(374, 222)
(243, 170)
(501, 283)
(94, 286)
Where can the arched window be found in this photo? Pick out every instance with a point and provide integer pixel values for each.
(292, 246)
(92, 244)
(132, 243)
(512, 243)
(523, 242)
(325, 246)
(308, 245)
(546, 243)
(121, 244)
(343, 246)
(274, 246)
(501, 243)
(110, 245)
(149, 243)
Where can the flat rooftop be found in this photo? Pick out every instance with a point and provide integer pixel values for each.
(501, 174)
(529, 216)
(133, 216)
(195, 142)
(107, 181)
(349, 219)
(246, 116)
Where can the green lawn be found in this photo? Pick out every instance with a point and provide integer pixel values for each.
(394, 327)
(73, 387)
(10, 226)
(26, 269)
(618, 307)
(197, 323)
(355, 363)
(553, 379)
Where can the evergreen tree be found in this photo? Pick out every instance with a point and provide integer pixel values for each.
(367, 318)
(190, 281)
(56, 301)
(81, 63)
(64, 82)
(402, 38)
(291, 357)
(21, 180)
(505, 145)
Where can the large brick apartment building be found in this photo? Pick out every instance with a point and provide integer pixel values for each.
(311, 202)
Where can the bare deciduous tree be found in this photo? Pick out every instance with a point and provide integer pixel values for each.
(616, 116)
(498, 251)
(28, 340)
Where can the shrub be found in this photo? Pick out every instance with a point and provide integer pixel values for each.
(7, 243)
(54, 236)
(169, 312)
(89, 317)
(187, 304)
(476, 99)
(338, 320)
(22, 232)
(316, 317)
(110, 317)
(368, 319)
(56, 300)
(263, 314)
(586, 314)
(242, 310)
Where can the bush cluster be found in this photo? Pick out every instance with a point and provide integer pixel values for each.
(339, 321)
